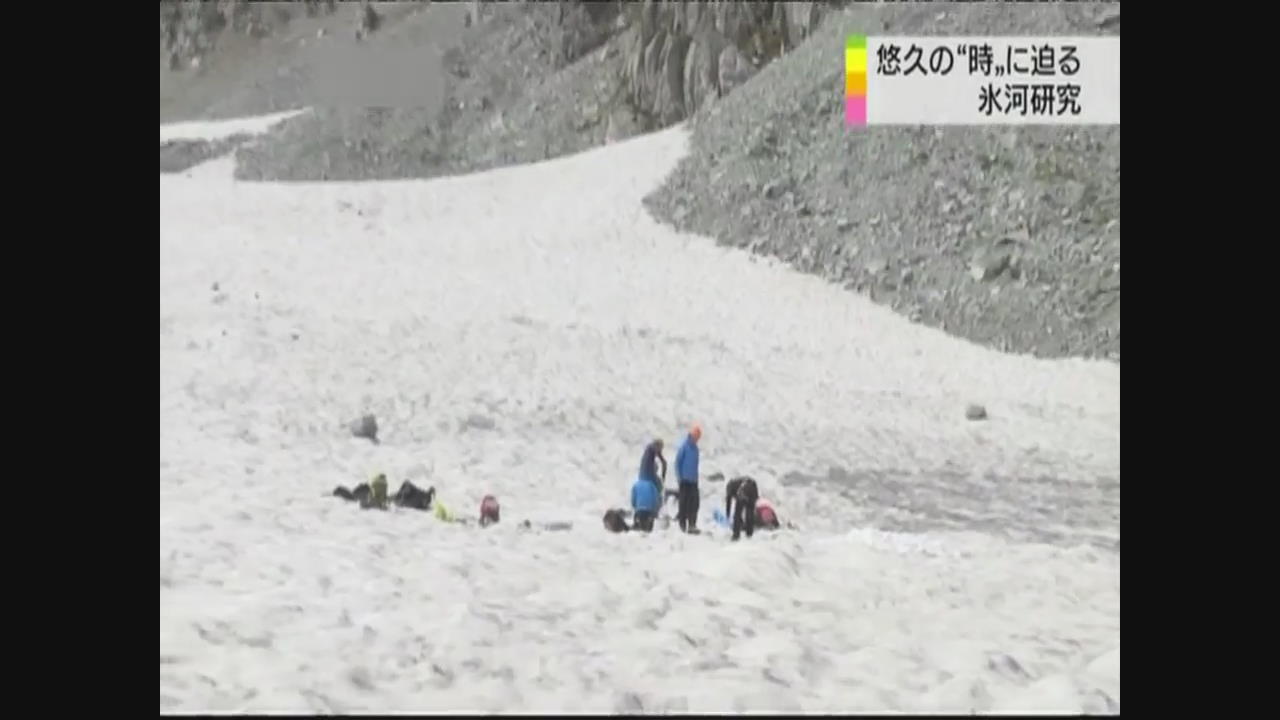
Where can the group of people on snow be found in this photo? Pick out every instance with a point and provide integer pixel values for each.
(648, 494)
(744, 509)
(373, 496)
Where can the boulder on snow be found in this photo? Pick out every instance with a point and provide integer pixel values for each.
(975, 412)
(476, 421)
(365, 427)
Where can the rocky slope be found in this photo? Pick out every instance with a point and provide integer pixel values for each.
(527, 82)
(910, 216)
(1009, 237)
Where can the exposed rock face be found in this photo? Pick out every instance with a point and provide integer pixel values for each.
(684, 55)
(1006, 236)
(189, 30)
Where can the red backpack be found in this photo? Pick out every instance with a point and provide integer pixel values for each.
(489, 510)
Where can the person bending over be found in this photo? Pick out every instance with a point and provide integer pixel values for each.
(649, 464)
(741, 495)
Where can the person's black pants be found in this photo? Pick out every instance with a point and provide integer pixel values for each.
(690, 499)
(744, 518)
(643, 520)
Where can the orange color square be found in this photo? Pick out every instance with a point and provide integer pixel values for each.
(855, 84)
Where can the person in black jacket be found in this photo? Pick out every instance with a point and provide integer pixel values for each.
(649, 462)
(741, 494)
(374, 495)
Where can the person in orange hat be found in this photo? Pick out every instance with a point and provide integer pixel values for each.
(687, 475)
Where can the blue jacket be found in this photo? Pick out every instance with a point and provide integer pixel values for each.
(646, 496)
(687, 461)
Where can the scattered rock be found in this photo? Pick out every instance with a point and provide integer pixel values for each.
(629, 704)
(365, 427)
(622, 124)
(975, 412)
(476, 421)
(1008, 667)
(844, 224)
(1109, 17)
(1000, 256)
(361, 678)
(772, 190)
(734, 69)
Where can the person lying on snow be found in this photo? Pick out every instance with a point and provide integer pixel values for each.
(374, 494)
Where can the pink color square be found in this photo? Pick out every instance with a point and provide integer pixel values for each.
(855, 111)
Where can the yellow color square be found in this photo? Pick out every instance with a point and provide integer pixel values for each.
(855, 60)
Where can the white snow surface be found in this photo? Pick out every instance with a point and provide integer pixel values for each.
(222, 129)
(953, 565)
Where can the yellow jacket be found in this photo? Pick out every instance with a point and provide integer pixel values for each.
(442, 512)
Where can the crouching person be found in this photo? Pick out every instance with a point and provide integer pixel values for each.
(766, 516)
(646, 498)
(489, 511)
(740, 497)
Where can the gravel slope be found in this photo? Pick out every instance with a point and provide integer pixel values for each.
(900, 214)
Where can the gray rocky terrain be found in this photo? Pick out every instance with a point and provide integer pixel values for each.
(1008, 237)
